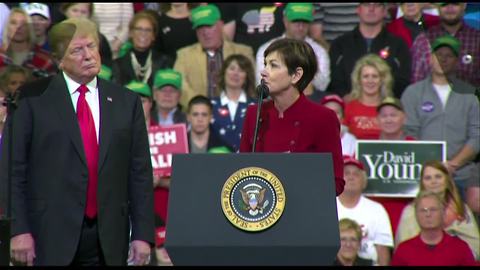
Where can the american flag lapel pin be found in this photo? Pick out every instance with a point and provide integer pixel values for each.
(109, 99)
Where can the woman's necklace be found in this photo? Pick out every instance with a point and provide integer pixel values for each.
(142, 72)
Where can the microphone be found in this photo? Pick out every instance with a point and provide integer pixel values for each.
(262, 92)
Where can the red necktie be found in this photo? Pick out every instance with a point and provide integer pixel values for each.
(90, 145)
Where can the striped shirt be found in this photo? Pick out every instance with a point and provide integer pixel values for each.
(336, 18)
(113, 19)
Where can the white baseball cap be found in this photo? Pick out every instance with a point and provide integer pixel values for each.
(37, 9)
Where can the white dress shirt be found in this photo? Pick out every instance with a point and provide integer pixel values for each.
(232, 105)
(91, 97)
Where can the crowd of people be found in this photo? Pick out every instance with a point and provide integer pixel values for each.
(388, 71)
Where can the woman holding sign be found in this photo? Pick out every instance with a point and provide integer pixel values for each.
(290, 122)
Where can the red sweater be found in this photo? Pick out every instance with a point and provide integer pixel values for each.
(451, 251)
(306, 127)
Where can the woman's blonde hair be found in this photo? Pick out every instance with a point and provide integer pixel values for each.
(31, 33)
(345, 224)
(451, 191)
(384, 70)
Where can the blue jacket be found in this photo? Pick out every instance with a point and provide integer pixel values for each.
(228, 130)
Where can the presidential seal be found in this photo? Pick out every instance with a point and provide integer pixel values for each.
(253, 199)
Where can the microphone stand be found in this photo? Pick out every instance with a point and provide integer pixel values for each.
(5, 220)
(262, 91)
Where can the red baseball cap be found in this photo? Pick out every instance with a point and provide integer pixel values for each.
(348, 160)
(333, 98)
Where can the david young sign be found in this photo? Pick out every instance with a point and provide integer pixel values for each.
(393, 167)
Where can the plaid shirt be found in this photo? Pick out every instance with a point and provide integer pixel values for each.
(420, 52)
(39, 62)
(469, 59)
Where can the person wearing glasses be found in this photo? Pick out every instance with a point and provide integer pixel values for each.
(432, 246)
(141, 62)
(350, 242)
(377, 238)
(458, 219)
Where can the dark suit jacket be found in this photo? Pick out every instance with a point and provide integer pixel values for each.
(50, 173)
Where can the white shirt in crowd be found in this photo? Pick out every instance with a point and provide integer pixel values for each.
(349, 143)
(443, 91)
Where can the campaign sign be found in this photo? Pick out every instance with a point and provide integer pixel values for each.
(165, 141)
(393, 167)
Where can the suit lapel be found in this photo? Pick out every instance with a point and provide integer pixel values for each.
(58, 93)
(105, 96)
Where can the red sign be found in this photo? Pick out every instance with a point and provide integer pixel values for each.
(165, 141)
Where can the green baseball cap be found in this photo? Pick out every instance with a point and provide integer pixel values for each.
(140, 88)
(205, 15)
(125, 48)
(167, 77)
(219, 150)
(449, 41)
(299, 12)
(105, 72)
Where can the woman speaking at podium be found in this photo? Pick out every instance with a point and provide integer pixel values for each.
(289, 122)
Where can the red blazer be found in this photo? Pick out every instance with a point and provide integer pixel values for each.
(398, 28)
(305, 127)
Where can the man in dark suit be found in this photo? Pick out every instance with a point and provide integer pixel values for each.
(82, 177)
